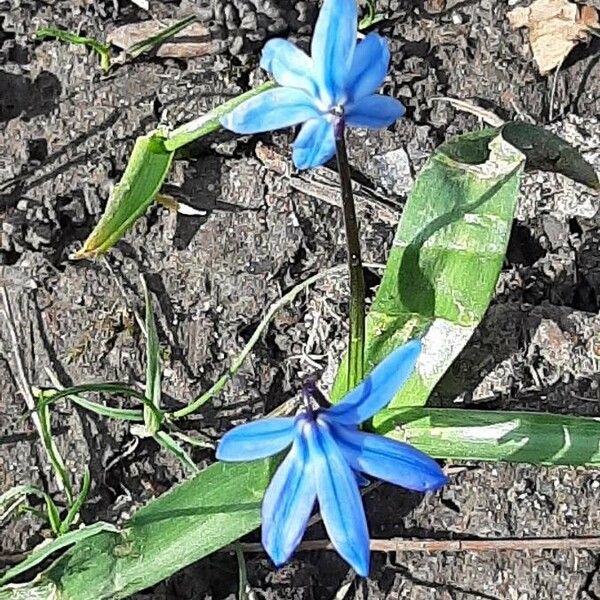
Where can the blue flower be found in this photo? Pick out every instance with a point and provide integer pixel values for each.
(327, 455)
(337, 84)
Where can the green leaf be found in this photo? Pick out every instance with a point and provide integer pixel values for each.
(446, 257)
(145, 173)
(172, 446)
(15, 496)
(53, 514)
(460, 434)
(187, 523)
(162, 36)
(153, 391)
(54, 455)
(48, 397)
(546, 151)
(123, 414)
(103, 50)
(148, 167)
(79, 502)
(45, 550)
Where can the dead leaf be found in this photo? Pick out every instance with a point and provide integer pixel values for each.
(555, 28)
(195, 40)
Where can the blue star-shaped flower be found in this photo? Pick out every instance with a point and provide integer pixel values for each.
(327, 455)
(338, 82)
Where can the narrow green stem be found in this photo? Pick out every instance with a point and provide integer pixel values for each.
(356, 346)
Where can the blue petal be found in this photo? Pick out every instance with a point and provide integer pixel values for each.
(287, 504)
(339, 499)
(315, 144)
(333, 45)
(289, 66)
(369, 67)
(274, 109)
(256, 440)
(379, 387)
(374, 112)
(389, 460)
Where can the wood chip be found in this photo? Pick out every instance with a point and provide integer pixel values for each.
(555, 28)
(193, 41)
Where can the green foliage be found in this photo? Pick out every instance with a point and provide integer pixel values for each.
(450, 245)
(103, 50)
(152, 418)
(185, 524)
(107, 61)
(147, 168)
(371, 17)
(448, 249)
(495, 435)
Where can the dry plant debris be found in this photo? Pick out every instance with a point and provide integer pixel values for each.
(555, 28)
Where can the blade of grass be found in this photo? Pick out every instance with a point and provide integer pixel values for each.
(264, 323)
(79, 502)
(14, 497)
(103, 50)
(162, 36)
(169, 444)
(152, 418)
(124, 414)
(47, 549)
(242, 573)
(53, 515)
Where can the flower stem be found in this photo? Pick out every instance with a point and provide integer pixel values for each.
(356, 346)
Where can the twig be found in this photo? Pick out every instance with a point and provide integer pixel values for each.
(425, 545)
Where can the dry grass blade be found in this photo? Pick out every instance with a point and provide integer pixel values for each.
(487, 116)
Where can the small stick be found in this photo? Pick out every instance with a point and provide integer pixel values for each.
(425, 545)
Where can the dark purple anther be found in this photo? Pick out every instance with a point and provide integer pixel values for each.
(311, 391)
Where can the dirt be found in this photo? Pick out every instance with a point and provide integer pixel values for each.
(65, 135)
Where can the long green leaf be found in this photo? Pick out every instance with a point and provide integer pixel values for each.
(450, 246)
(185, 524)
(222, 502)
(172, 446)
(153, 391)
(146, 171)
(446, 257)
(45, 550)
(455, 433)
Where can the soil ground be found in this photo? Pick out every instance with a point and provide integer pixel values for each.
(65, 135)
